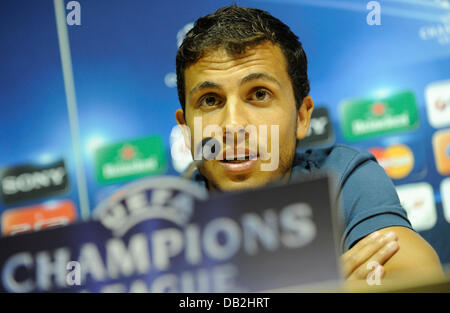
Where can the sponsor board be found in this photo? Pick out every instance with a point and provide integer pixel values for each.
(418, 201)
(31, 182)
(445, 196)
(164, 235)
(320, 129)
(441, 148)
(130, 159)
(437, 97)
(370, 117)
(397, 160)
(37, 217)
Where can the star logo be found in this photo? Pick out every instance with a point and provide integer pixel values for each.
(128, 152)
(378, 108)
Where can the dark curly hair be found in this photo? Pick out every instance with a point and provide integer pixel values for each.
(235, 29)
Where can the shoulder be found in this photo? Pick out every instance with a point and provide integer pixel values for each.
(340, 159)
(361, 188)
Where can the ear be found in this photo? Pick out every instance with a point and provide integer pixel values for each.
(304, 117)
(179, 116)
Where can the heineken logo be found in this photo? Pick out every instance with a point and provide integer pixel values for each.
(365, 118)
(130, 159)
(362, 126)
(135, 167)
(128, 152)
(378, 108)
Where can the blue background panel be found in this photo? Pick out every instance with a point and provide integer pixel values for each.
(123, 57)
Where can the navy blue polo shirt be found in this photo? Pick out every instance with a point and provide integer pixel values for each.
(364, 193)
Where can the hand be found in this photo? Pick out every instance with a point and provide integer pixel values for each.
(376, 248)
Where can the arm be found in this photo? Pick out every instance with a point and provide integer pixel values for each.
(404, 258)
(415, 258)
(370, 205)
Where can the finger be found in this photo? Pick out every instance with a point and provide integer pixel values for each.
(367, 241)
(379, 258)
(362, 254)
(363, 242)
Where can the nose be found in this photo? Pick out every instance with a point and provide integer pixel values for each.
(234, 120)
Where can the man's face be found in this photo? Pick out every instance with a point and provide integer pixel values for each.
(249, 91)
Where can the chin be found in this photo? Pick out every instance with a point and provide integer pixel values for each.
(235, 185)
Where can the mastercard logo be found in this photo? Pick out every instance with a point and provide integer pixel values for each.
(397, 160)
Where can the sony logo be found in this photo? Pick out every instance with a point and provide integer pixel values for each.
(30, 182)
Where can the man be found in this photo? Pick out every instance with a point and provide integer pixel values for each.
(241, 67)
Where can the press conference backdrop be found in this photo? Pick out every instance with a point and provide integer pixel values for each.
(382, 88)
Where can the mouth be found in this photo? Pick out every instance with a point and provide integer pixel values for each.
(241, 159)
(240, 164)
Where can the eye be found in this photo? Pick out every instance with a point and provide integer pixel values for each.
(260, 95)
(209, 100)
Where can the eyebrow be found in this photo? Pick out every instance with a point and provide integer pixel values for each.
(246, 79)
(204, 85)
(255, 76)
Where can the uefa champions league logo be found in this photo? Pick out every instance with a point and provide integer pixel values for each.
(167, 198)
